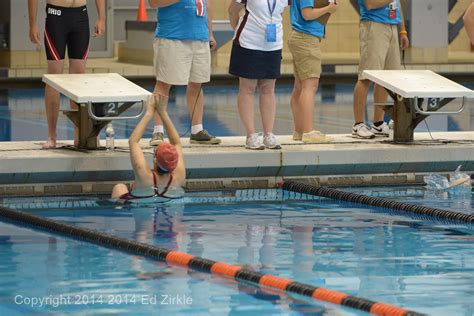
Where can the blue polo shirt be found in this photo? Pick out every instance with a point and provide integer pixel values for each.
(298, 23)
(180, 22)
(379, 15)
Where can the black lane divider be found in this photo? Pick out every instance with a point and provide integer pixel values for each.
(221, 269)
(376, 201)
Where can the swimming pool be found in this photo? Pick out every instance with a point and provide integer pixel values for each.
(422, 265)
(22, 115)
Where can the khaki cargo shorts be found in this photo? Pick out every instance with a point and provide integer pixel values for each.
(379, 47)
(306, 52)
(179, 62)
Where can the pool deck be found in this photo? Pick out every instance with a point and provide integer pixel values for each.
(27, 169)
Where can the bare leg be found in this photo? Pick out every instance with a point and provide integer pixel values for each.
(76, 66)
(51, 100)
(195, 101)
(309, 87)
(245, 102)
(380, 96)
(163, 89)
(297, 115)
(266, 89)
(361, 91)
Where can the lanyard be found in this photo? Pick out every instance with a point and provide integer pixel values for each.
(271, 9)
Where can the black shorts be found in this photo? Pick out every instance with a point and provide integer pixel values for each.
(66, 27)
(254, 64)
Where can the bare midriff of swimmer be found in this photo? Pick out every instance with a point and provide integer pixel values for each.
(67, 26)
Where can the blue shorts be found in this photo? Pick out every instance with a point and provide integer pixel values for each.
(254, 64)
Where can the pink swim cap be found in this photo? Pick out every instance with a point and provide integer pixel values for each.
(166, 157)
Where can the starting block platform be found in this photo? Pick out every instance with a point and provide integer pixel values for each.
(101, 99)
(409, 89)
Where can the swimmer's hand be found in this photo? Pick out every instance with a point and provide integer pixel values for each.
(150, 105)
(160, 106)
(34, 36)
(99, 28)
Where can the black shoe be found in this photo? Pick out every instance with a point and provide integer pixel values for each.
(156, 139)
(203, 137)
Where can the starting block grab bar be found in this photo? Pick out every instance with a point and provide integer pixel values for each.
(435, 104)
(113, 109)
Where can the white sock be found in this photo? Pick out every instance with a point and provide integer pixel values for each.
(158, 129)
(196, 128)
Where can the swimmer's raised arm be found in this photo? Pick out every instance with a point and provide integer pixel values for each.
(32, 14)
(141, 168)
(161, 106)
(161, 3)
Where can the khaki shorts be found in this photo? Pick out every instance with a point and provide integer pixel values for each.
(306, 53)
(379, 48)
(179, 62)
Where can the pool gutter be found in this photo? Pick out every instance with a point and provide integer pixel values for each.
(25, 169)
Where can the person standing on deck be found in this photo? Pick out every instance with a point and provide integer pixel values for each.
(304, 44)
(256, 59)
(382, 34)
(67, 25)
(183, 40)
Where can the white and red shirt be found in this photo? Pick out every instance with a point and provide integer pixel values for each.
(251, 30)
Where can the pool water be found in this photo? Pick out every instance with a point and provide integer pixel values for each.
(426, 266)
(22, 114)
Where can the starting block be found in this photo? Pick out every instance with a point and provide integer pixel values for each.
(101, 99)
(409, 89)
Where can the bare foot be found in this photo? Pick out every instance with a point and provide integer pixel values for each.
(50, 144)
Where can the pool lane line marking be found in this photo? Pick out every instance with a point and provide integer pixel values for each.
(407, 208)
(201, 264)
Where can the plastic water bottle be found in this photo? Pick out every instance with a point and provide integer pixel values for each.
(109, 137)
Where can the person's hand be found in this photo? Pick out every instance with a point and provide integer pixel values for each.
(212, 42)
(160, 107)
(150, 104)
(34, 36)
(99, 28)
(332, 8)
(404, 41)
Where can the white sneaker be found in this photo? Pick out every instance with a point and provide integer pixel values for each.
(315, 137)
(270, 141)
(382, 130)
(362, 131)
(254, 142)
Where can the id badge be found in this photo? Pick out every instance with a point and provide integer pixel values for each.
(392, 10)
(271, 33)
(393, 14)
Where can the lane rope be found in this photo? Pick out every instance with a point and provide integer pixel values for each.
(220, 269)
(408, 208)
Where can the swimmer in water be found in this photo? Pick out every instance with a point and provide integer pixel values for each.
(168, 165)
(67, 25)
